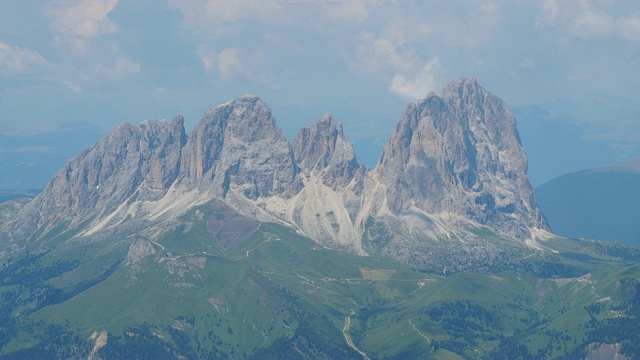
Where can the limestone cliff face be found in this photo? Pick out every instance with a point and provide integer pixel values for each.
(132, 163)
(460, 153)
(323, 148)
(237, 145)
(236, 153)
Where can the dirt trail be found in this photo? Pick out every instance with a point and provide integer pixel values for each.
(347, 338)
(421, 284)
(246, 255)
(421, 334)
(157, 244)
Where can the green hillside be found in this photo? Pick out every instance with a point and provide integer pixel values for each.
(274, 295)
(599, 204)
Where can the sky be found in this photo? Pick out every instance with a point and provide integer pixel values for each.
(106, 61)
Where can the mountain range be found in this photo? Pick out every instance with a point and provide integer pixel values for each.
(234, 242)
(453, 164)
(601, 203)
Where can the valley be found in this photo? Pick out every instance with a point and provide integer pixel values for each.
(278, 293)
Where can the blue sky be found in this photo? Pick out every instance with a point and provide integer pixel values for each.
(106, 61)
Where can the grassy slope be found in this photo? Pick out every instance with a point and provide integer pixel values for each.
(277, 291)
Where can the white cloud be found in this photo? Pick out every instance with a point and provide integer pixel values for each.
(229, 11)
(73, 87)
(376, 54)
(548, 13)
(554, 12)
(629, 27)
(226, 63)
(205, 14)
(348, 10)
(589, 19)
(229, 63)
(78, 21)
(417, 88)
(16, 60)
(208, 57)
(597, 24)
(120, 70)
(206, 17)
(590, 24)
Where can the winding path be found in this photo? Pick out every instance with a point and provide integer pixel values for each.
(347, 338)
(156, 243)
(421, 284)
(421, 334)
(246, 255)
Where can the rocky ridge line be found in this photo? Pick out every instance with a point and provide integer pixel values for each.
(454, 156)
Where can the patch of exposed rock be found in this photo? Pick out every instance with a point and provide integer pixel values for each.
(322, 147)
(139, 249)
(9, 209)
(327, 206)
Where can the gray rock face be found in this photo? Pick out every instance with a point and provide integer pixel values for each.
(139, 249)
(456, 154)
(315, 143)
(460, 153)
(326, 208)
(238, 144)
(9, 209)
(132, 163)
(322, 147)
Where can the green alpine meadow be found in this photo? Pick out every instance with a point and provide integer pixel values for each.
(276, 294)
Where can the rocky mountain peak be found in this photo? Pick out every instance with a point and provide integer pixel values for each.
(251, 120)
(238, 146)
(328, 203)
(460, 153)
(322, 146)
(462, 87)
(315, 143)
(134, 162)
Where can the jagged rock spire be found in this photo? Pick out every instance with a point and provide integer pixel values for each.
(322, 146)
(460, 153)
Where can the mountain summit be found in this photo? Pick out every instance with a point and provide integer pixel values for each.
(460, 153)
(454, 165)
(237, 147)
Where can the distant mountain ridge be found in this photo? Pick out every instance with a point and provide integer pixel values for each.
(454, 164)
(558, 143)
(29, 161)
(601, 203)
